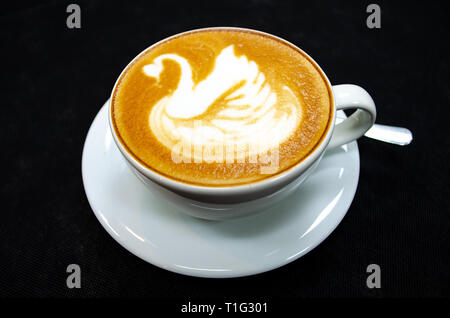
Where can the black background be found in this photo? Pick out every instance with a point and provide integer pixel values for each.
(54, 81)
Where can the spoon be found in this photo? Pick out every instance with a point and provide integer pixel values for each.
(391, 134)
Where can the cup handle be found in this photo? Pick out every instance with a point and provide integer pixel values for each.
(347, 96)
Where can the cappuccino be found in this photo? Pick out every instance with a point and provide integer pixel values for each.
(221, 107)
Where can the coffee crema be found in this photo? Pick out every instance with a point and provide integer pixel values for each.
(221, 107)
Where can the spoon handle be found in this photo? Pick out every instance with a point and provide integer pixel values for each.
(391, 134)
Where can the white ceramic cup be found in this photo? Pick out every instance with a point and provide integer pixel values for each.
(218, 203)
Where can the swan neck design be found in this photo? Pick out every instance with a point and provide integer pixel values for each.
(186, 73)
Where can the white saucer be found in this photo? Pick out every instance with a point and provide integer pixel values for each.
(148, 227)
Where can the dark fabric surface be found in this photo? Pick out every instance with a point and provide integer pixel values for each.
(54, 81)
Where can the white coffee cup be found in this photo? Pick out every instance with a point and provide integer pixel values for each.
(218, 203)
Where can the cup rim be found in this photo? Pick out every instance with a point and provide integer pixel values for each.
(279, 178)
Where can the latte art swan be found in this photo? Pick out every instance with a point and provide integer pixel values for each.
(234, 107)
